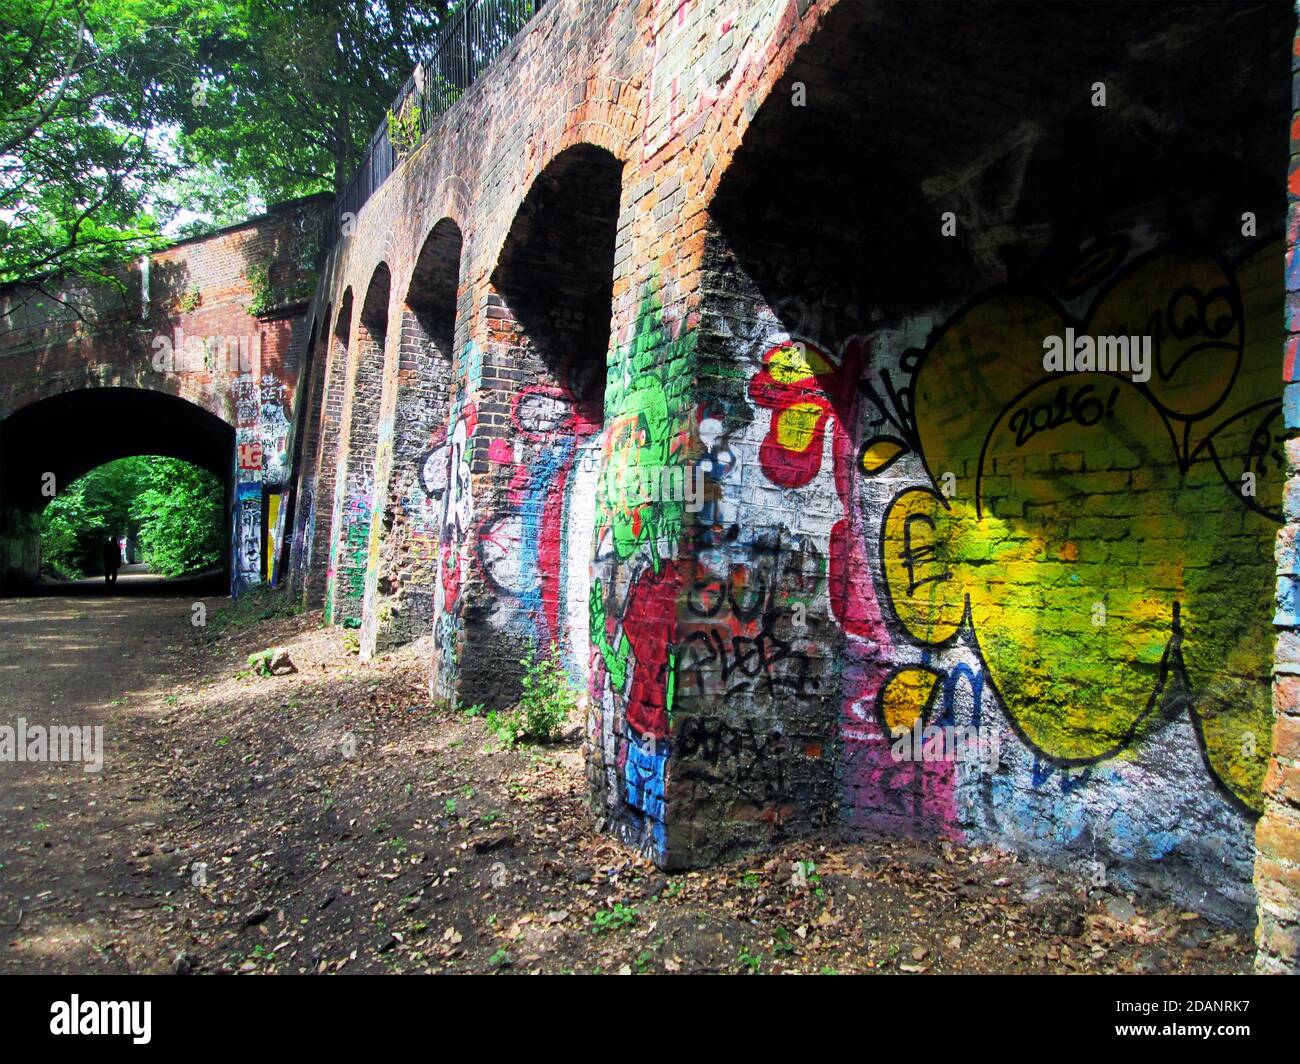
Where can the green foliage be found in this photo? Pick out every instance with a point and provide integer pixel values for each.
(268, 296)
(120, 117)
(405, 130)
(620, 917)
(83, 515)
(173, 509)
(548, 699)
(260, 661)
(80, 93)
(290, 92)
(180, 516)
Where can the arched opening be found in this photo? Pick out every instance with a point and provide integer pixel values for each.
(540, 418)
(415, 494)
(47, 446)
(321, 516)
(141, 517)
(358, 494)
(306, 440)
(884, 267)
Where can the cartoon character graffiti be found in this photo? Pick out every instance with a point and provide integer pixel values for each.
(633, 607)
(1105, 543)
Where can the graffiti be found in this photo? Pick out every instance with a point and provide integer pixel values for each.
(304, 535)
(742, 662)
(632, 605)
(751, 757)
(739, 647)
(261, 433)
(274, 426)
(457, 509)
(533, 549)
(246, 524)
(639, 657)
(245, 395)
(424, 504)
(458, 504)
(807, 391)
(354, 549)
(1086, 546)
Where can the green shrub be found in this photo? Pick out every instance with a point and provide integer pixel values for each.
(548, 699)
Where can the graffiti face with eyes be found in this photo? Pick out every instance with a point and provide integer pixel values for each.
(1097, 538)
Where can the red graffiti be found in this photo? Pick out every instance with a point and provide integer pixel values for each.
(807, 392)
(250, 456)
(650, 625)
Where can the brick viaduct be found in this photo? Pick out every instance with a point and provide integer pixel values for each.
(193, 353)
(701, 344)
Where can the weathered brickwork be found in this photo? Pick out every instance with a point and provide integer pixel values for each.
(203, 369)
(710, 359)
(1277, 837)
(410, 462)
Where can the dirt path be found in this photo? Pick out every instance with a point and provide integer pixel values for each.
(332, 820)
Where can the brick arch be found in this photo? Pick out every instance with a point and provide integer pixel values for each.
(540, 408)
(575, 134)
(321, 518)
(610, 128)
(46, 350)
(74, 431)
(354, 489)
(301, 499)
(750, 86)
(410, 468)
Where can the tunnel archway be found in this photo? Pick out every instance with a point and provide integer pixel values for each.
(47, 445)
(413, 499)
(356, 499)
(320, 515)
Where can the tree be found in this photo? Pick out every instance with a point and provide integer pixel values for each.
(84, 85)
(174, 510)
(89, 510)
(291, 91)
(180, 514)
(119, 117)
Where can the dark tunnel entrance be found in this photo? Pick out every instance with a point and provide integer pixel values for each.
(47, 446)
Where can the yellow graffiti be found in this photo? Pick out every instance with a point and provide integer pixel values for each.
(906, 697)
(1098, 534)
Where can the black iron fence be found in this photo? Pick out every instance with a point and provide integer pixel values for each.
(472, 37)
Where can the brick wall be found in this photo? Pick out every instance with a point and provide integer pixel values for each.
(213, 332)
(826, 489)
(1277, 838)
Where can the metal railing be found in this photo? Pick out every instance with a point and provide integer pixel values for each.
(472, 37)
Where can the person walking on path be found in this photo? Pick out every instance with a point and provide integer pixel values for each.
(112, 559)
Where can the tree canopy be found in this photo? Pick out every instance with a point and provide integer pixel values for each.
(120, 119)
(83, 86)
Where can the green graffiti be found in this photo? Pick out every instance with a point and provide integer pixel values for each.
(645, 437)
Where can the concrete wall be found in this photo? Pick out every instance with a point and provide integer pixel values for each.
(737, 403)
